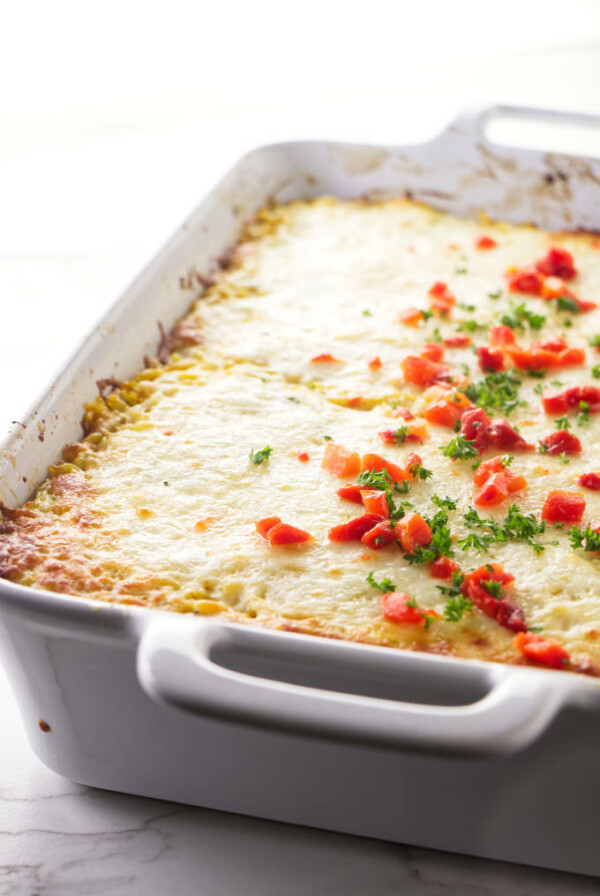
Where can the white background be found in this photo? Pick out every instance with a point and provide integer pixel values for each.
(114, 119)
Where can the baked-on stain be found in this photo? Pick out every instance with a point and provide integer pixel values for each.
(44, 726)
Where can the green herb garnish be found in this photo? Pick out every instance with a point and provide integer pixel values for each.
(460, 448)
(445, 503)
(496, 391)
(258, 457)
(385, 586)
(589, 539)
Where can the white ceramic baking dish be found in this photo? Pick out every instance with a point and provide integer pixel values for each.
(490, 760)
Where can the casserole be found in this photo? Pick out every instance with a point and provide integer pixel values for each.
(161, 692)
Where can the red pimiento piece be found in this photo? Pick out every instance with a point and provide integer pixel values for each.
(303, 456)
(409, 461)
(590, 480)
(485, 242)
(415, 433)
(432, 351)
(486, 469)
(557, 262)
(411, 317)
(404, 413)
(444, 406)
(282, 534)
(422, 372)
(375, 501)
(526, 280)
(443, 568)
(485, 433)
(501, 608)
(379, 536)
(441, 291)
(377, 463)
(263, 527)
(356, 528)
(561, 442)
(403, 609)
(501, 335)
(375, 363)
(490, 358)
(493, 491)
(563, 507)
(325, 358)
(562, 402)
(540, 356)
(458, 340)
(351, 493)
(544, 651)
(413, 531)
(340, 461)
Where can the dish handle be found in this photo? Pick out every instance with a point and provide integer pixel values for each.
(254, 676)
(473, 122)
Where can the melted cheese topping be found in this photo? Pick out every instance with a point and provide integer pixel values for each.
(158, 504)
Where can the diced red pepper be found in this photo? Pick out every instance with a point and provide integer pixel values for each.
(303, 456)
(355, 402)
(544, 651)
(590, 480)
(526, 280)
(501, 335)
(402, 609)
(540, 358)
(485, 242)
(377, 463)
(443, 568)
(351, 493)
(375, 363)
(415, 433)
(356, 528)
(557, 262)
(502, 609)
(340, 461)
(554, 344)
(477, 427)
(562, 402)
(561, 442)
(493, 491)
(486, 469)
(379, 536)
(444, 406)
(411, 317)
(325, 358)
(375, 501)
(432, 351)
(263, 527)
(458, 340)
(404, 413)
(422, 372)
(490, 358)
(282, 534)
(563, 507)
(412, 531)
(409, 461)
(441, 291)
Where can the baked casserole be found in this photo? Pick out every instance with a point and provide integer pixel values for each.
(377, 422)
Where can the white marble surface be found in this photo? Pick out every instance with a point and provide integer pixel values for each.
(103, 150)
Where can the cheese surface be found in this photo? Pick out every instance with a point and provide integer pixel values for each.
(158, 504)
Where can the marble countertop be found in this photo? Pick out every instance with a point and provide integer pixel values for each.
(61, 839)
(82, 209)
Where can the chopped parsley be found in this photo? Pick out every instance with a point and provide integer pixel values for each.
(166, 483)
(466, 307)
(367, 313)
(583, 417)
(258, 457)
(456, 607)
(495, 295)
(563, 458)
(519, 315)
(427, 619)
(460, 448)
(444, 503)
(496, 391)
(441, 543)
(594, 341)
(564, 303)
(385, 586)
(418, 471)
(426, 314)
(589, 539)
(470, 326)
(596, 372)
(381, 479)
(436, 336)
(400, 435)
(493, 587)
(562, 423)
(327, 439)
(517, 526)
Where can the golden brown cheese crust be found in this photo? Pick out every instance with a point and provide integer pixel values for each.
(156, 505)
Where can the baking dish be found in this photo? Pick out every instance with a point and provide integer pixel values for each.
(468, 756)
